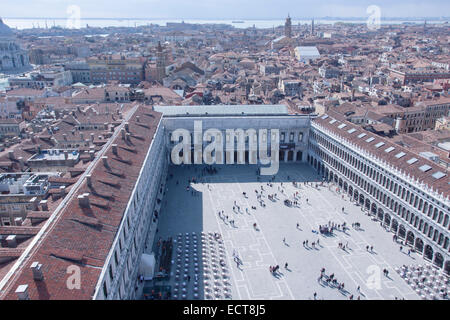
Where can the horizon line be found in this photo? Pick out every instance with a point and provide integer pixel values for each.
(212, 19)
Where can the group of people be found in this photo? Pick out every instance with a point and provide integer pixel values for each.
(274, 269)
(237, 259)
(225, 218)
(313, 244)
(356, 225)
(343, 246)
(332, 280)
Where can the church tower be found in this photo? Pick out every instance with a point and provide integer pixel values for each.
(160, 63)
(288, 27)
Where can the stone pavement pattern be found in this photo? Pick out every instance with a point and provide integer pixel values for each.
(197, 210)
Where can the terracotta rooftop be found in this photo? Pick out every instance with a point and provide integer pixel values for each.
(388, 151)
(83, 236)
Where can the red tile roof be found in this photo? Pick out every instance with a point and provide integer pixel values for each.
(442, 184)
(83, 236)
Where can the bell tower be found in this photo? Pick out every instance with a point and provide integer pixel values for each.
(288, 27)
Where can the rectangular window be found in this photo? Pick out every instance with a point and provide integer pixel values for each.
(105, 290)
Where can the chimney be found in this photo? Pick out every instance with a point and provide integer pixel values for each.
(137, 119)
(65, 136)
(123, 133)
(21, 163)
(22, 292)
(66, 154)
(92, 137)
(92, 154)
(34, 203)
(11, 154)
(114, 149)
(128, 136)
(105, 161)
(11, 241)
(18, 221)
(82, 136)
(33, 138)
(89, 180)
(83, 200)
(62, 191)
(106, 125)
(44, 205)
(127, 127)
(36, 267)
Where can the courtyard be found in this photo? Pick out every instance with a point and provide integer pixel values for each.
(214, 257)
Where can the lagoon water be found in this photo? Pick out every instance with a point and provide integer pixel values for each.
(27, 23)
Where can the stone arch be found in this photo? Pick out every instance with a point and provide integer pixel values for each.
(419, 245)
(380, 214)
(438, 260)
(402, 232)
(387, 218)
(410, 238)
(367, 204)
(428, 252)
(447, 267)
(373, 209)
(394, 226)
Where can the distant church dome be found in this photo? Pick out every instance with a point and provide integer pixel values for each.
(12, 57)
(5, 31)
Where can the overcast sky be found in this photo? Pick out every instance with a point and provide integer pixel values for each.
(222, 9)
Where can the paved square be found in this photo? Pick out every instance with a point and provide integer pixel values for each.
(196, 211)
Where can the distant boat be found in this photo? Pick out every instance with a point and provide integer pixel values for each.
(238, 21)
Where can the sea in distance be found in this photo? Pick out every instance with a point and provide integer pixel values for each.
(28, 23)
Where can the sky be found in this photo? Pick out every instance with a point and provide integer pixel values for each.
(221, 9)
